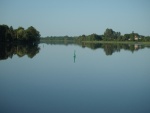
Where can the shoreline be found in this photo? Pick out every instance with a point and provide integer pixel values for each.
(117, 42)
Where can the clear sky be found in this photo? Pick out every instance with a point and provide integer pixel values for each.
(77, 17)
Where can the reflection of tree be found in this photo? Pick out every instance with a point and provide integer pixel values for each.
(56, 42)
(110, 48)
(31, 52)
(8, 50)
(92, 45)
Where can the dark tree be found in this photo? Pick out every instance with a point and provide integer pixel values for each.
(8, 34)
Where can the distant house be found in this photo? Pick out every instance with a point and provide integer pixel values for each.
(136, 37)
(133, 36)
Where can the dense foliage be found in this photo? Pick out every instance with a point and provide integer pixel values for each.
(8, 34)
(91, 37)
(59, 38)
(109, 35)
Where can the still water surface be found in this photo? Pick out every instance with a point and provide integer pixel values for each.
(76, 79)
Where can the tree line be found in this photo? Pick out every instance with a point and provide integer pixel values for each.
(111, 35)
(57, 38)
(108, 35)
(8, 34)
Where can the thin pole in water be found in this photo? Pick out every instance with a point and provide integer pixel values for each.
(74, 56)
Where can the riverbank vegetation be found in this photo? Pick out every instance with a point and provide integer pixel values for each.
(58, 40)
(31, 35)
(19, 35)
(111, 35)
(108, 36)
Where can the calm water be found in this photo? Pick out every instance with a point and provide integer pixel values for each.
(75, 79)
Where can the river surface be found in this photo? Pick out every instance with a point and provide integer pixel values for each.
(57, 78)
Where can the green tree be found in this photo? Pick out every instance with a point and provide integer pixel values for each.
(95, 37)
(20, 33)
(31, 34)
(108, 34)
(126, 37)
(132, 36)
(83, 38)
(4, 33)
(8, 34)
(12, 32)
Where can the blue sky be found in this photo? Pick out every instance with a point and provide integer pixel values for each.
(77, 17)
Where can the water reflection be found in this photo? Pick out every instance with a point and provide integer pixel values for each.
(110, 48)
(71, 79)
(58, 42)
(8, 50)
